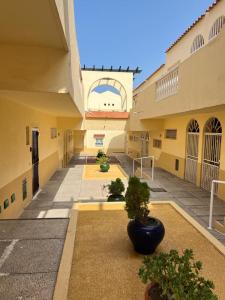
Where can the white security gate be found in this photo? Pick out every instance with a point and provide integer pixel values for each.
(211, 154)
(144, 144)
(191, 164)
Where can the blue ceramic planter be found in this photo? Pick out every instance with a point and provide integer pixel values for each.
(114, 198)
(146, 238)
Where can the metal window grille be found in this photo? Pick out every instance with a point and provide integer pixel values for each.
(197, 43)
(217, 26)
(157, 143)
(168, 85)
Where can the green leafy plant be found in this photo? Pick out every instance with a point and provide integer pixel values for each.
(100, 154)
(103, 160)
(137, 199)
(116, 187)
(177, 276)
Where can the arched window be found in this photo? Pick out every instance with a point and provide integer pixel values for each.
(197, 43)
(217, 25)
(213, 125)
(193, 126)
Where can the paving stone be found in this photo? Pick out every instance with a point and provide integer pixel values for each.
(189, 201)
(39, 286)
(34, 256)
(201, 194)
(33, 229)
(161, 195)
(54, 213)
(3, 245)
(202, 210)
(183, 194)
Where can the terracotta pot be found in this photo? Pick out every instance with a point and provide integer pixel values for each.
(153, 292)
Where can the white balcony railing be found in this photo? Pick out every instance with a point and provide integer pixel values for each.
(168, 85)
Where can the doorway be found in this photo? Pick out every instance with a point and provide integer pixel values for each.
(35, 161)
(191, 161)
(211, 153)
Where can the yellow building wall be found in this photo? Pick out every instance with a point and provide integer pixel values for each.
(114, 131)
(125, 78)
(201, 85)
(182, 50)
(176, 149)
(16, 159)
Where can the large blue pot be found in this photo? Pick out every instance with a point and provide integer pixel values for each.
(114, 198)
(146, 238)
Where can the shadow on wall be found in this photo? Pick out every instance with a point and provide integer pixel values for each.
(117, 144)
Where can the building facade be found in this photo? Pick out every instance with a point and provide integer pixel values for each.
(181, 106)
(38, 89)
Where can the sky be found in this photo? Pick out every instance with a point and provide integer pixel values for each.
(132, 32)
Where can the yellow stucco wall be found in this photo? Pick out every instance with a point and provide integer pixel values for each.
(114, 131)
(16, 160)
(182, 50)
(200, 87)
(125, 79)
(176, 149)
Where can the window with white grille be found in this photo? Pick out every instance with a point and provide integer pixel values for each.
(168, 85)
(157, 143)
(171, 134)
(99, 141)
(217, 25)
(197, 43)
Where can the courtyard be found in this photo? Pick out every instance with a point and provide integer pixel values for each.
(112, 150)
(43, 228)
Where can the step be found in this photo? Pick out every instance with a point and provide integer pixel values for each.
(220, 226)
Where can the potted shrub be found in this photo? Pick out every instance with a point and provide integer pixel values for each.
(100, 153)
(116, 188)
(144, 231)
(175, 277)
(104, 163)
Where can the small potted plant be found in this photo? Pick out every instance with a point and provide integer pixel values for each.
(175, 277)
(103, 161)
(115, 188)
(144, 231)
(100, 153)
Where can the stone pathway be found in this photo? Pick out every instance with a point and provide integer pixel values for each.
(191, 198)
(31, 247)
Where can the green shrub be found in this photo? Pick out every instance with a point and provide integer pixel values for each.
(103, 160)
(116, 187)
(137, 199)
(178, 276)
(100, 154)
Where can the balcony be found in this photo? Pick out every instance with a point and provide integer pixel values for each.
(168, 85)
(198, 84)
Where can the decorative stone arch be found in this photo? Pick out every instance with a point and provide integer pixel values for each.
(113, 83)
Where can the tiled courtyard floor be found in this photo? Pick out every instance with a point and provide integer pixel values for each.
(191, 198)
(31, 247)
